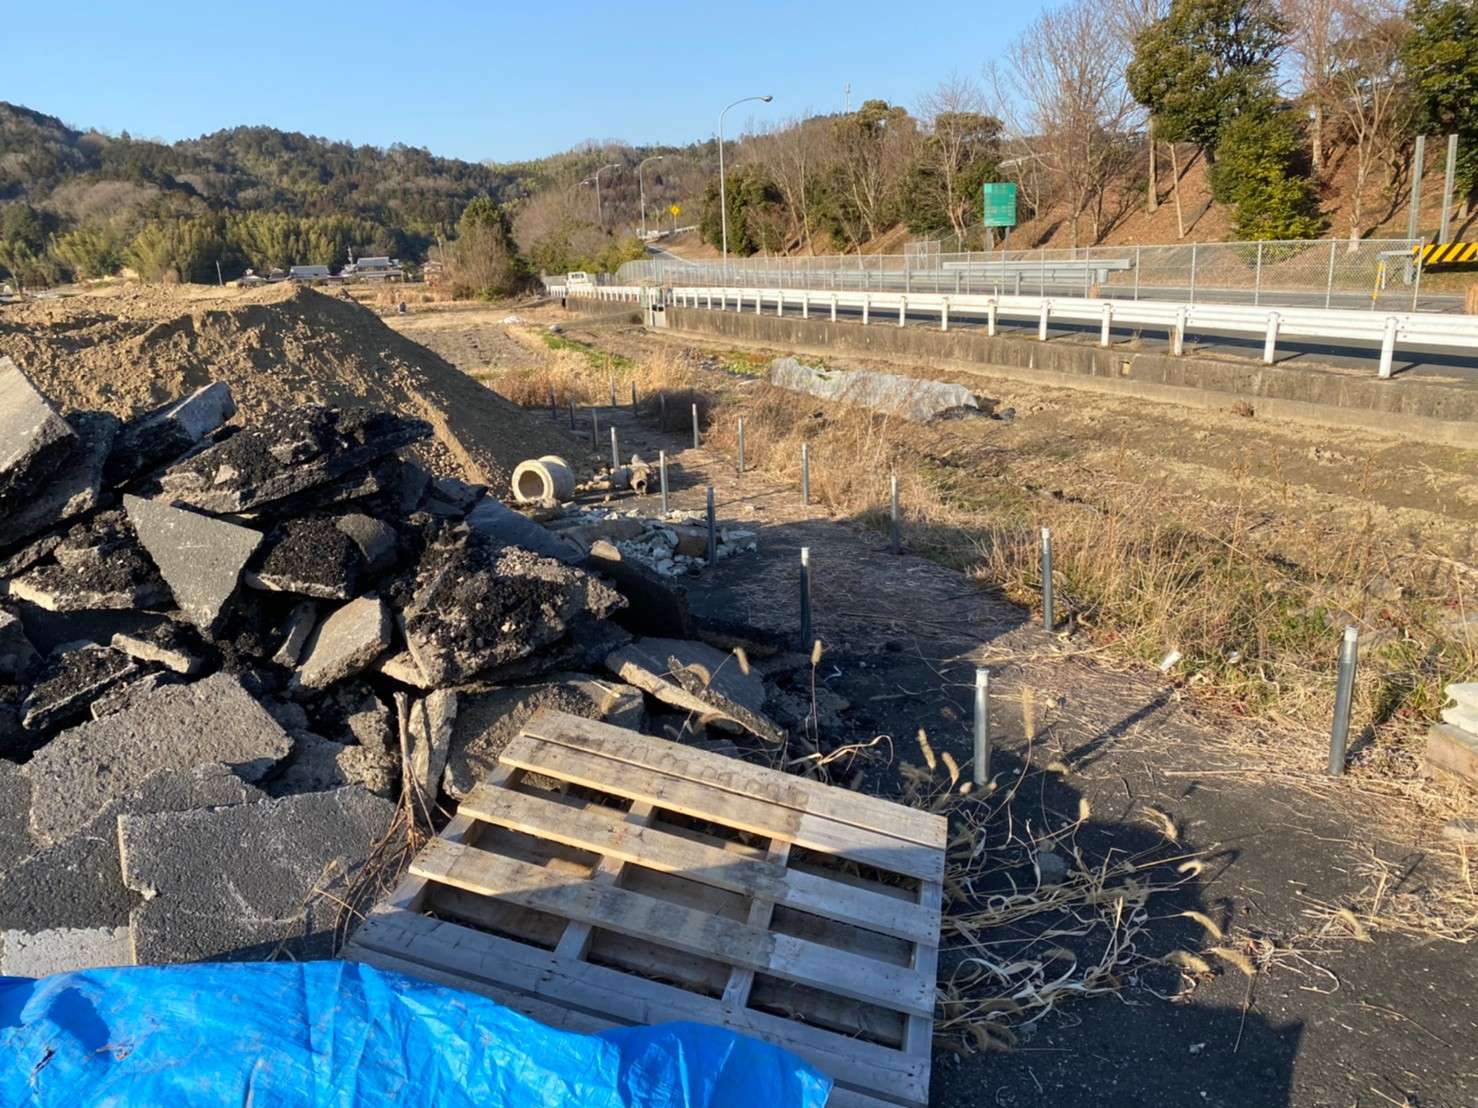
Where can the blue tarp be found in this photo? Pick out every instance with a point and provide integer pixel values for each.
(336, 1034)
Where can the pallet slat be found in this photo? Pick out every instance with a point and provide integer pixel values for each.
(607, 832)
(668, 924)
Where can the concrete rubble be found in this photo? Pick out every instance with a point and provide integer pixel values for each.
(227, 652)
(909, 397)
(1452, 743)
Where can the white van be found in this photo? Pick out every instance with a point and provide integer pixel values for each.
(579, 280)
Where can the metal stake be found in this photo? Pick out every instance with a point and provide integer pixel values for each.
(615, 453)
(741, 446)
(594, 429)
(662, 474)
(712, 530)
(572, 413)
(806, 639)
(982, 727)
(806, 473)
(613, 390)
(1047, 620)
(695, 426)
(633, 399)
(1343, 694)
(662, 410)
(553, 409)
(896, 538)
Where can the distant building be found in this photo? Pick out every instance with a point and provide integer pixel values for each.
(374, 269)
(308, 273)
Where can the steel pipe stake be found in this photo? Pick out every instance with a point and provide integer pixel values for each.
(1048, 622)
(662, 476)
(695, 426)
(615, 453)
(633, 399)
(741, 446)
(806, 638)
(981, 766)
(805, 473)
(712, 530)
(594, 429)
(896, 539)
(1343, 695)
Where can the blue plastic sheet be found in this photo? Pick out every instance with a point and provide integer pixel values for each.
(336, 1034)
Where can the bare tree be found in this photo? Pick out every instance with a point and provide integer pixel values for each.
(1367, 91)
(1067, 74)
(1314, 29)
(1127, 20)
(961, 137)
(873, 145)
(792, 153)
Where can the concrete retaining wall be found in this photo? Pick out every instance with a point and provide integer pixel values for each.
(1431, 411)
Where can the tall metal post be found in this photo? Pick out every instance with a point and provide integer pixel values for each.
(1048, 620)
(662, 477)
(1447, 181)
(695, 426)
(633, 399)
(741, 446)
(1343, 696)
(712, 530)
(806, 636)
(723, 198)
(805, 473)
(895, 539)
(1193, 273)
(594, 429)
(1257, 280)
(981, 765)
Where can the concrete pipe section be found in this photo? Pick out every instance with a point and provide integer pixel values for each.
(543, 480)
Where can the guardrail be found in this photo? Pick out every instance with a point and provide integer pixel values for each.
(1388, 329)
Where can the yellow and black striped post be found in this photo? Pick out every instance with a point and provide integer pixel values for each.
(1448, 253)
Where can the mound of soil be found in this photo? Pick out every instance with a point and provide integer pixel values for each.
(135, 348)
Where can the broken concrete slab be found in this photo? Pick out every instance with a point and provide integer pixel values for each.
(24, 557)
(657, 606)
(909, 397)
(507, 527)
(164, 434)
(450, 496)
(375, 539)
(18, 658)
(200, 558)
(175, 727)
(121, 695)
(320, 765)
(346, 642)
(76, 882)
(124, 581)
(49, 630)
(15, 816)
(310, 556)
(696, 677)
(428, 736)
(73, 488)
(1453, 751)
(401, 666)
(71, 681)
(34, 440)
(295, 631)
(63, 950)
(488, 719)
(307, 446)
(249, 881)
(474, 607)
(171, 645)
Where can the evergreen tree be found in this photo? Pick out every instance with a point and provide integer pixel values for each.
(1441, 59)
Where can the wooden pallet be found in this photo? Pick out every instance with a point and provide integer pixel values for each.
(603, 878)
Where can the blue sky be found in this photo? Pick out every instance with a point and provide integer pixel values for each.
(480, 81)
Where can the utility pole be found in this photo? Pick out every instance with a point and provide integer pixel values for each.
(642, 190)
(600, 216)
(723, 199)
(1418, 156)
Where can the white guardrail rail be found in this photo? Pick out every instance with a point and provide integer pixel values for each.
(1387, 329)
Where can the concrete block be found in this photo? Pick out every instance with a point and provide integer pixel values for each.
(310, 557)
(63, 950)
(507, 527)
(77, 882)
(176, 727)
(1462, 717)
(488, 719)
(376, 540)
(71, 682)
(1464, 694)
(298, 626)
(34, 440)
(70, 489)
(696, 677)
(346, 642)
(164, 434)
(168, 644)
(201, 558)
(429, 739)
(18, 658)
(1453, 751)
(248, 881)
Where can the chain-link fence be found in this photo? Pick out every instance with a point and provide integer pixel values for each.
(1333, 273)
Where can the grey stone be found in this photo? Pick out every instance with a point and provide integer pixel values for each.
(909, 397)
(201, 558)
(297, 450)
(474, 607)
(176, 727)
(72, 489)
(401, 666)
(319, 764)
(375, 539)
(247, 882)
(18, 658)
(351, 638)
(489, 719)
(165, 433)
(1052, 867)
(696, 677)
(24, 557)
(300, 623)
(63, 950)
(429, 737)
(77, 882)
(409, 488)
(168, 644)
(34, 440)
(72, 680)
(507, 527)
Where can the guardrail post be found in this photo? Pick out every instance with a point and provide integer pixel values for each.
(780, 303)
(902, 310)
(1271, 341)
(1103, 331)
(759, 301)
(1388, 346)
(1042, 321)
(1193, 273)
(1177, 340)
(833, 307)
(805, 305)
(866, 306)
(1257, 279)
(944, 315)
(990, 318)
(1329, 281)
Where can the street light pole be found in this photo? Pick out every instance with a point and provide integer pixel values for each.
(642, 190)
(723, 198)
(600, 216)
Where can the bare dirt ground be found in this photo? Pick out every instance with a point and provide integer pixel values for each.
(1234, 927)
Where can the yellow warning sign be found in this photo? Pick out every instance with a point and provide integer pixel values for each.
(1448, 253)
(676, 210)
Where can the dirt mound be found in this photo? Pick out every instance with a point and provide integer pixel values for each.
(135, 348)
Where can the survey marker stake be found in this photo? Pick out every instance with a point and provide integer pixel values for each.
(712, 530)
(806, 640)
(662, 475)
(615, 453)
(633, 399)
(805, 473)
(594, 429)
(1344, 693)
(741, 446)
(896, 539)
(982, 727)
(553, 408)
(695, 426)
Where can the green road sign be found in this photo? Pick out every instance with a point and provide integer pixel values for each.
(1000, 204)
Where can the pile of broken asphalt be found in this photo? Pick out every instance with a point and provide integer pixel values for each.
(227, 651)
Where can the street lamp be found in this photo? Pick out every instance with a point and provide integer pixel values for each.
(723, 199)
(599, 214)
(642, 190)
